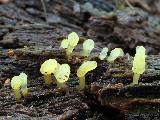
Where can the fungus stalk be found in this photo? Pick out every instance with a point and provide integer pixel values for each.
(135, 78)
(24, 91)
(17, 94)
(83, 70)
(48, 79)
(61, 85)
(82, 82)
(69, 50)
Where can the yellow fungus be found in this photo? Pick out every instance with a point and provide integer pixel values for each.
(47, 69)
(138, 63)
(24, 88)
(82, 71)
(16, 86)
(62, 75)
(115, 53)
(19, 85)
(88, 46)
(64, 44)
(72, 42)
(103, 53)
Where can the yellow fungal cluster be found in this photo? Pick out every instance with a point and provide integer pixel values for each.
(103, 53)
(115, 53)
(19, 86)
(138, 63)
(83, 70)
(61, 72)
(52, 67)
(70, 43)
(88, 46)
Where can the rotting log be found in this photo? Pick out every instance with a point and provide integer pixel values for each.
(107, 86)
(107, 94)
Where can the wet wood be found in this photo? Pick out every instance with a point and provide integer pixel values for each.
(26, 41)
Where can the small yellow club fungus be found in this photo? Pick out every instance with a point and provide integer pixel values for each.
(82, 71)
(88, 46)
(24, 88)
(16, 86)
(19, 85)
(62, 75)
(115, 53)
(72, 42)
(47, 69)
(138, 63)
(103, 53)
(64, 44)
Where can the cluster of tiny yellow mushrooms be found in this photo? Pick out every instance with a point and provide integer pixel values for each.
(61, 72)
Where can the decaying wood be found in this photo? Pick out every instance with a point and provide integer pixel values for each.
(101, 84)
(26, 41)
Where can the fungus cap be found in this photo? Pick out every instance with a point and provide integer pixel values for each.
(16, 83)
(49, 67)
(23, 78)
(115, 53)
(86, 67)
(140, 50)
(64, 44)
(20, 81)
(88, 44)
(73, 39)
(103, 53)
(62, 73)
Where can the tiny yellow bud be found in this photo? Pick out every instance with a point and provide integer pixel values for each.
(103, 53)
(88, 46)
(83, 70)
(115, 53)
